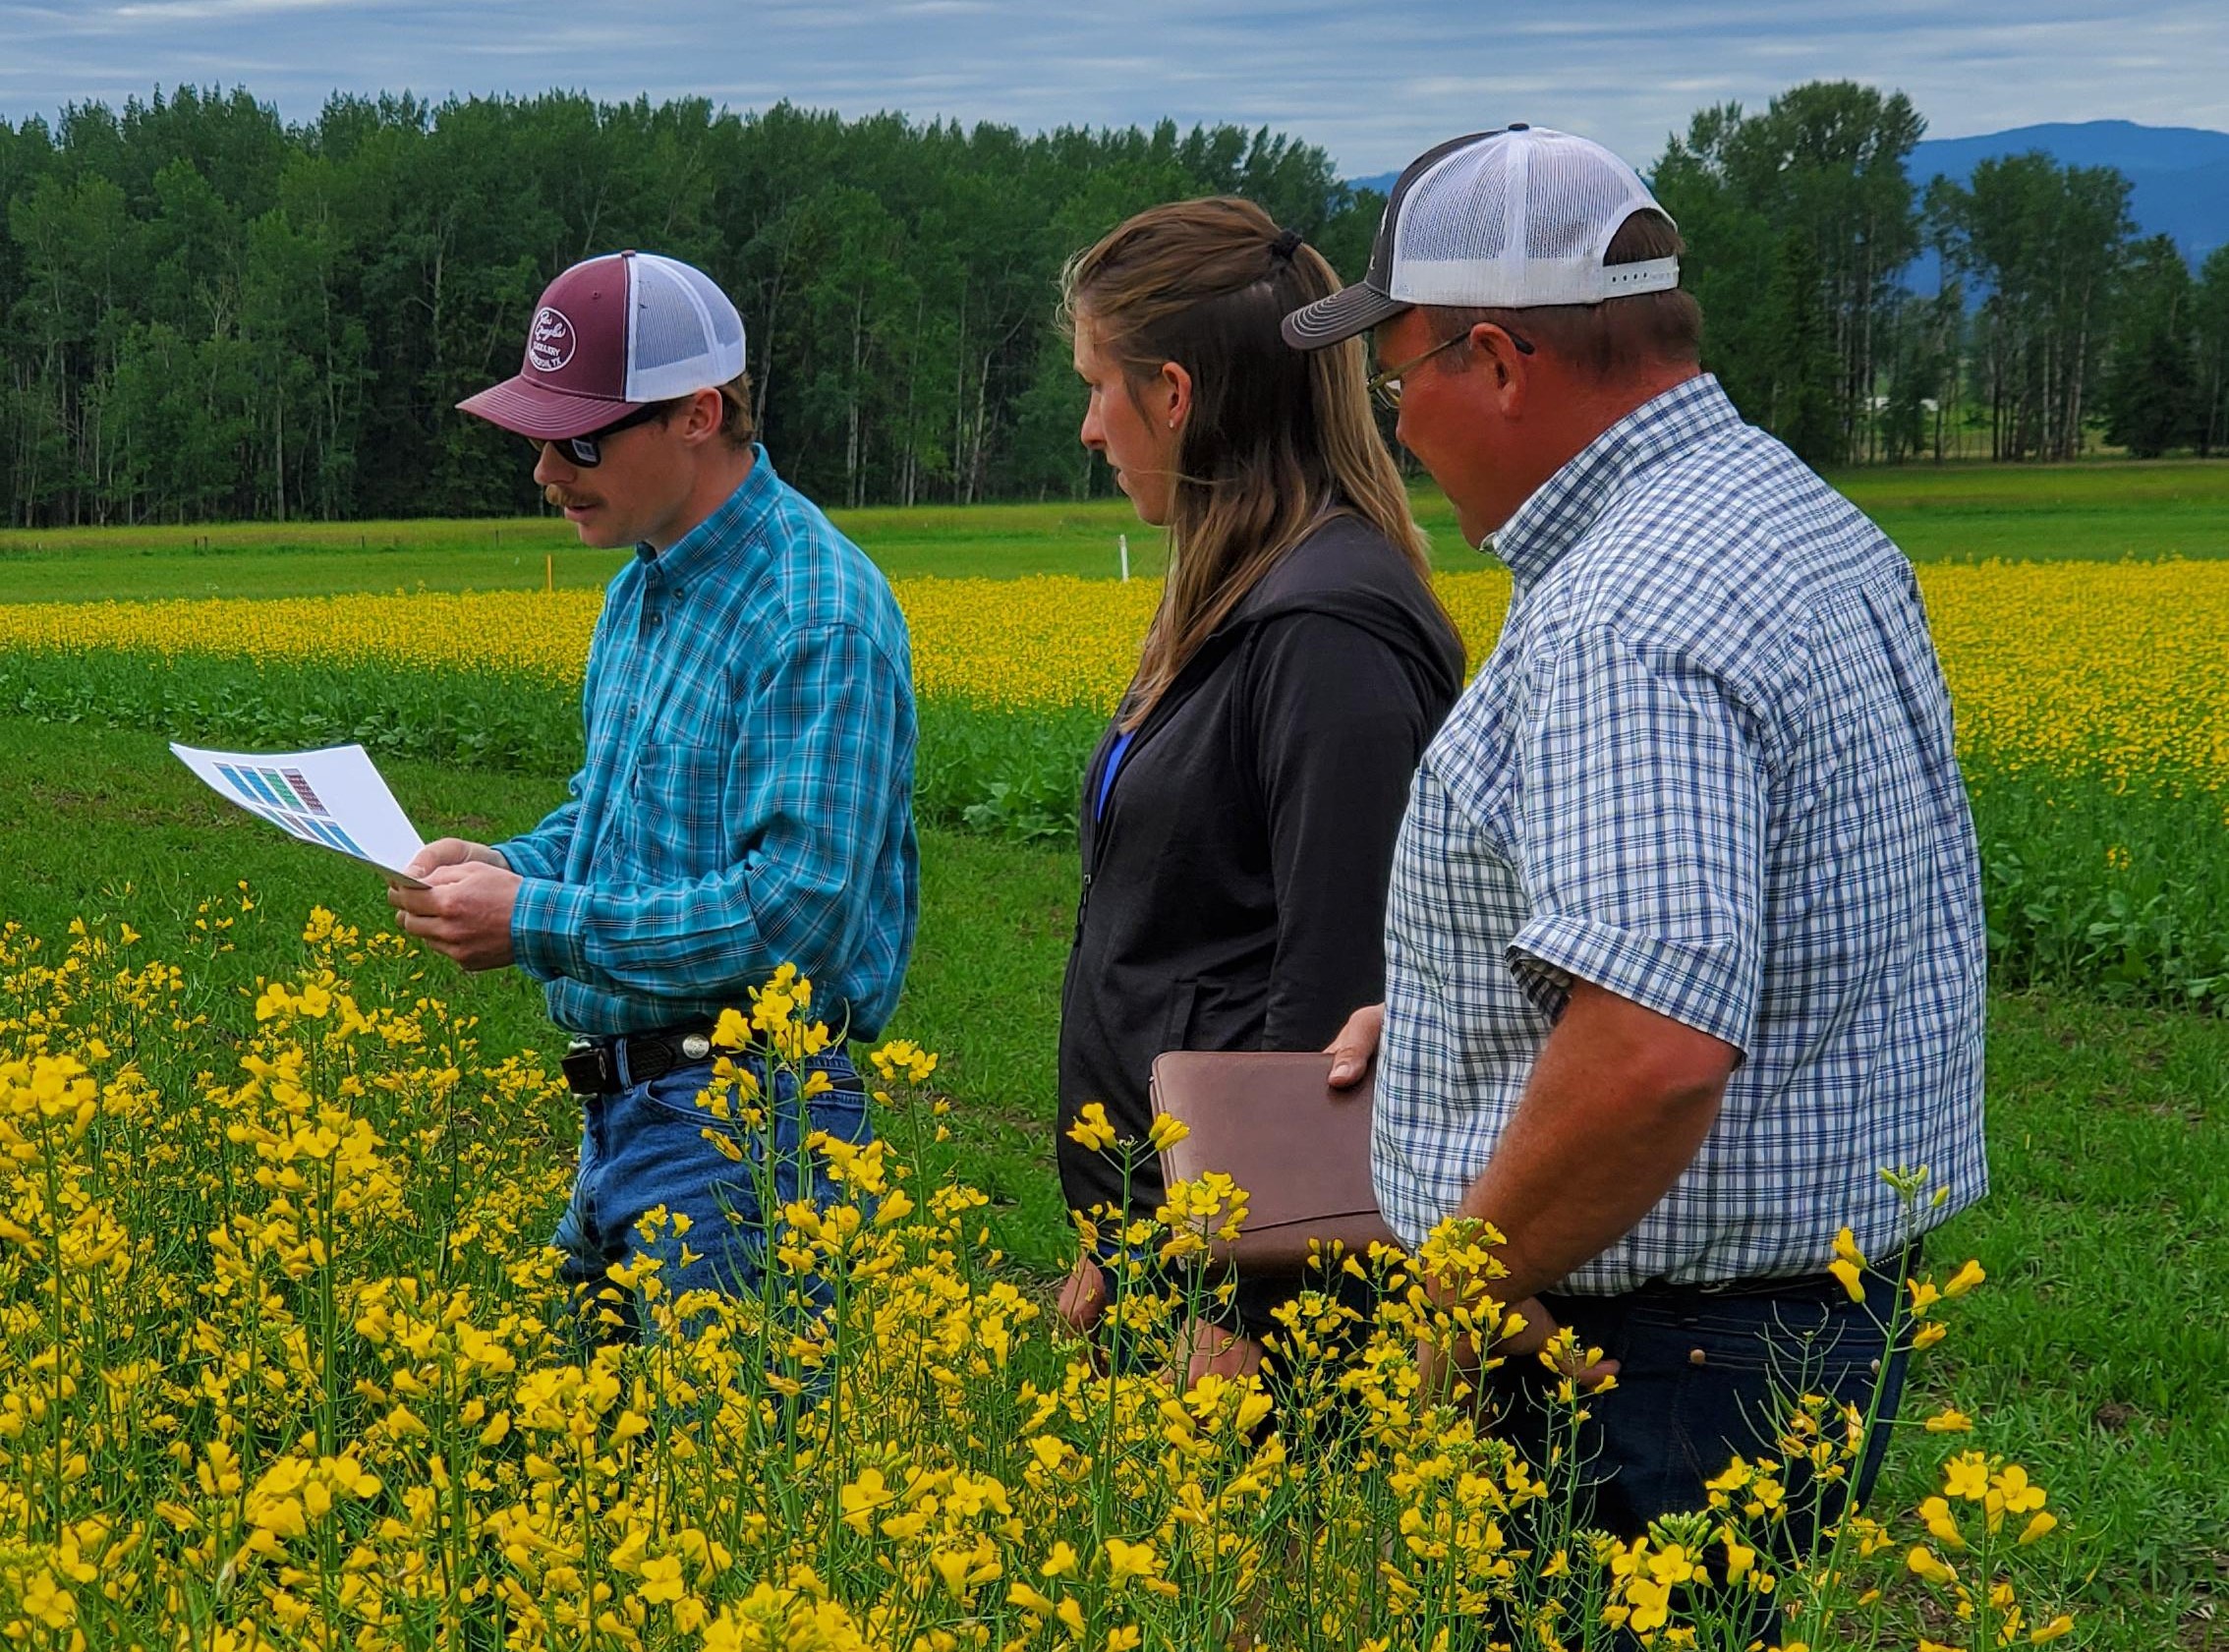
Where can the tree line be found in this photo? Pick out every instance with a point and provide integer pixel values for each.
(2053, 325)
(213, 313)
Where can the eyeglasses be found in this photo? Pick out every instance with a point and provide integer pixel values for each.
(1386, 385)
(588, 451)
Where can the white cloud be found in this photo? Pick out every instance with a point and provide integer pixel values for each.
(211, 11)
(1373, 85)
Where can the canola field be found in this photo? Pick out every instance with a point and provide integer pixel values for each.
(2119, 669)
(2092, 704)
(283, 1364)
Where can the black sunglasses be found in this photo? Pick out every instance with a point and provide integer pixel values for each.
(588, 451)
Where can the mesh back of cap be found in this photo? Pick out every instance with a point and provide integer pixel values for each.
(1460, 210)
(685, 335)
(1569, 201)
(1520, 218)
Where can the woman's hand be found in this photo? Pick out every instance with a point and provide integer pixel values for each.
(1083, 1297)
(1211, 1351)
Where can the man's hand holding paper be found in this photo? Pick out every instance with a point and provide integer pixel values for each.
(463, 908)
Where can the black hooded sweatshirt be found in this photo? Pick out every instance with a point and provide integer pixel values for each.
(1234, 889)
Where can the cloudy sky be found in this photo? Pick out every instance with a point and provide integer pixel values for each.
(1372, 83)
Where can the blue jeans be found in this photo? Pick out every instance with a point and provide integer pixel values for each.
(645, 1147)
(1705, 1376)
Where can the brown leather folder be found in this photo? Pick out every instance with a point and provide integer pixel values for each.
(1301, 1150)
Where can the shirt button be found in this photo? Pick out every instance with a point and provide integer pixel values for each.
(658, 619)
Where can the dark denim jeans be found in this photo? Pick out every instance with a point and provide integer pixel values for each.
(645, 1146)
(1705, 1376)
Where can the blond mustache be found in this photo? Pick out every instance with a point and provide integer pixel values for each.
(557, 496)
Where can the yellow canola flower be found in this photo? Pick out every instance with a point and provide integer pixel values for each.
(1030, 1600)
(1965, 1279)
(1942, 1525)
(1092, 1130)
(1927, 1566)
(1126, 1560)
(1967, 1476)
(323, 1418)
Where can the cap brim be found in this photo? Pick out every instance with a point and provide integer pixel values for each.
(535, 410)
(1347, 312)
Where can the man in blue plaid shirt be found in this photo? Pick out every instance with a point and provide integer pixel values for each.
(746, 800)
(1684, 941)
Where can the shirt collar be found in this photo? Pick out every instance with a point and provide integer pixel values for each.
(1564, 507)
(733, 526)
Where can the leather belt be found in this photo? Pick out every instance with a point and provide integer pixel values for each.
(591, 1065)
(1799, 1285)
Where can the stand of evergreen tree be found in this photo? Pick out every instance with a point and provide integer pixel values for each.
(211, 313)
(208, 313)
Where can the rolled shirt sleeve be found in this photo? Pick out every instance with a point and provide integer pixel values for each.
(1642, 841)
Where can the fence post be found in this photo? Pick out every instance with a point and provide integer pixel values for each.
(1123, 540)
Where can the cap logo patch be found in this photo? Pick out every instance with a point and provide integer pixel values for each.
(550, 346)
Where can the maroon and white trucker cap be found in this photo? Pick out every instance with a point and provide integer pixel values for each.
(1496, 221)
(610, 335)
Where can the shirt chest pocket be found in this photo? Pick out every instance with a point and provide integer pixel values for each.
(676, 803)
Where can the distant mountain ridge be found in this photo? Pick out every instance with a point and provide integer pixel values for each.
(2179, 175)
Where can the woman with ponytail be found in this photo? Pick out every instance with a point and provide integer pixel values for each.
(1240, 814)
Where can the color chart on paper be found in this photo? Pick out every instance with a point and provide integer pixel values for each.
(334, 798)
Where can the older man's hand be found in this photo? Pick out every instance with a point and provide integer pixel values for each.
(1356, 1046)
(1438, 1372)
(464, 912)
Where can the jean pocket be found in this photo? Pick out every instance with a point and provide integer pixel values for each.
(1799, 1342)
(689, 1093)
(840, 1114)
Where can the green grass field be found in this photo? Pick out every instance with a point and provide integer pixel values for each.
(2110, 1158)
(1958, 513)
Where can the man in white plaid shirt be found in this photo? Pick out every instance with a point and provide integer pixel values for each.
(1684, 941)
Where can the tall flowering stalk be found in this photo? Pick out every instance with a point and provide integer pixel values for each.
(285, 1362)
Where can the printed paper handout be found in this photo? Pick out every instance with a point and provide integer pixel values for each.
(333, 798)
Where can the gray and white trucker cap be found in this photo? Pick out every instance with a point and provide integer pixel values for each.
(1495, 220)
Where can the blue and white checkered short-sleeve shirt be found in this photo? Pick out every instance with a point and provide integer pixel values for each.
(1708, 768)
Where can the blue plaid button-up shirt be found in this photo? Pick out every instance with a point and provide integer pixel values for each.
(1708, 768)
(747, 798)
